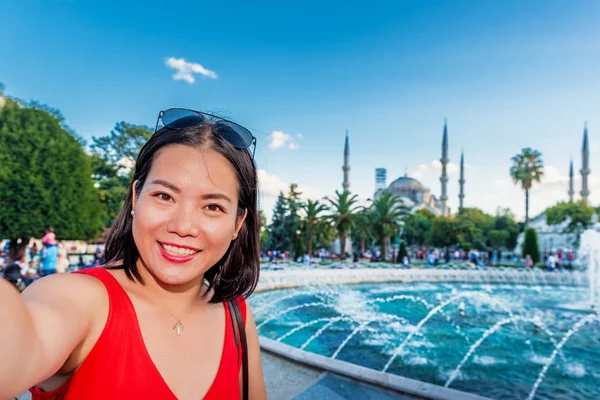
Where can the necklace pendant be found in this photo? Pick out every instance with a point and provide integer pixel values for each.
(178, 327)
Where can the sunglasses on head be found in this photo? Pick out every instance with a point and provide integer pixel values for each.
(182, 118)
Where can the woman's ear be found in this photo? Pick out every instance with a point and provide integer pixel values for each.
(135, 193)
(240, 222)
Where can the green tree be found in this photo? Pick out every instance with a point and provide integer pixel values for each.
(279, 238)
(314, 217)
(530, 245)
(527, 168)
(416, 226)
(45, 177)
(112, 158)
(579, 214)
(473, 224)
(385, 214)
(444, 232)
(497, 238)
(402, 252)
(342, 207)
(505, 221)
(292, 225)
(264, 231)
(362, 230)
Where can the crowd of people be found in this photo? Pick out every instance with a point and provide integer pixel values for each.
(434, 256)
(31, 263)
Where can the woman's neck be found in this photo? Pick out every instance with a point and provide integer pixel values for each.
(180, 299)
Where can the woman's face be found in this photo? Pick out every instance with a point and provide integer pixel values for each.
(186, 213)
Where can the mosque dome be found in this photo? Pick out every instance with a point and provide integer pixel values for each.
(405, 184)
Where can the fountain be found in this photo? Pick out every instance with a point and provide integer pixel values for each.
(502, 333)
(589, 250)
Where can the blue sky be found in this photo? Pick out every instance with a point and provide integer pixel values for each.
(506, 74)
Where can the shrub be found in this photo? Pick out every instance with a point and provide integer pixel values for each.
(530, 245)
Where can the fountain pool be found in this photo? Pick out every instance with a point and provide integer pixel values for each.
(505, 341)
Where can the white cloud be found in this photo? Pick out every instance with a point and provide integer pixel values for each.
(186, 70)
(279, 139)
(299, 136)
(434, 166)
(270, 186)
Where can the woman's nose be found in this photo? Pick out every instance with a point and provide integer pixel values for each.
(184, 222)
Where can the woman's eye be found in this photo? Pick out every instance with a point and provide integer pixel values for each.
(214, 207)
(164, 197)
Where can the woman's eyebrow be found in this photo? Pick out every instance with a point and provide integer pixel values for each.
(166, 184)
(216, 196)
(207, 196)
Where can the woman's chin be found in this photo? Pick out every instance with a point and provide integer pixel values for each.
(175, 276)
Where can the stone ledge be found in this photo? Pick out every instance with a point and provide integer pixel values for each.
(362, 374)
(271, 280)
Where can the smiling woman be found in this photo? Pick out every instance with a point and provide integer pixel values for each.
(166, 317)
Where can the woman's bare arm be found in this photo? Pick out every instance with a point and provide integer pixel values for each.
(40, 328)
(256, 382)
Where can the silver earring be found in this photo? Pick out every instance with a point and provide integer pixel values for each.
(234, 235)
(132, 212)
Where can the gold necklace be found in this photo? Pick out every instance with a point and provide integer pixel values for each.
(178, 325)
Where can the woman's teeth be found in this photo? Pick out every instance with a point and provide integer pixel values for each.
(178, 251)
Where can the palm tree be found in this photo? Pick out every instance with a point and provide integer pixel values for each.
(342, 208)
(312, 220)
(362, 229)
(527, 168)
(385, 214)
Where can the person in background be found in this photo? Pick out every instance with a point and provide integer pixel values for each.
(16, 269)
(528, 261)
(49, 254)
(63, 259)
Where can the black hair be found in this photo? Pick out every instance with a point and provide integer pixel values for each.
(236, 273)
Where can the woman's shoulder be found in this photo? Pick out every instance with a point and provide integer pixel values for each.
(74, 295)
(69, 285)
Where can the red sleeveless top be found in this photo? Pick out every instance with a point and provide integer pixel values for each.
(119, 366)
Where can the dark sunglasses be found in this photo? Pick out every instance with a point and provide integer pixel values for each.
(182, 118)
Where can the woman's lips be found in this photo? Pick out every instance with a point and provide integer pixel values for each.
(179, 259)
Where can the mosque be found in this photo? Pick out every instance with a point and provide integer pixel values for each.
(417, 196)
(413, 193)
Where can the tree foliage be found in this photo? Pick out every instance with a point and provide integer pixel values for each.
(579, 214)
(526, 169)
(113, 157)
(279, 237)
(417, 225)
(342, 208)
(313, 218)
(385, 214)
(45, 177)
(530, 245)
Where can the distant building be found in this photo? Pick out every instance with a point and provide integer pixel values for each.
(413, 193)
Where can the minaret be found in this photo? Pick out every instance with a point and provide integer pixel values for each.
(571, 186)
(346, 167)
(461, 181)
(444, 179)
(585, 165)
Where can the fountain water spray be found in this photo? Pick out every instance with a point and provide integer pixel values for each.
(572, 331)
(590, 254)
(362, 326)
(434, 311)
(306, 324)
(319, 303)
(536, 321)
